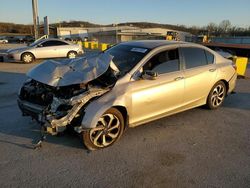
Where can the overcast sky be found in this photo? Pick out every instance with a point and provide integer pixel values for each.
(187, 12)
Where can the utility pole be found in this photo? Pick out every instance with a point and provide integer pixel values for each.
(116, 33)
(35, 18)
(46, 25)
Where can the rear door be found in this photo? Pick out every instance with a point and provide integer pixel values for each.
(62, 48)
(199, 72)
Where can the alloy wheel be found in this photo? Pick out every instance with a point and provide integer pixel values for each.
(218, 95)
(72, 55)
(106, 132)
(27, 58)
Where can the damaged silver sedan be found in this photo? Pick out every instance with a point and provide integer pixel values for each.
(128, 85)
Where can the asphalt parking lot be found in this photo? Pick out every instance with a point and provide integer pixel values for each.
(196, 148)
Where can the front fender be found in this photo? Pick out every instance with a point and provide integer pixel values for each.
(99, 106)
(27, 51)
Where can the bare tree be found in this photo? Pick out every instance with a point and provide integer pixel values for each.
(225, 26)
(212, 28)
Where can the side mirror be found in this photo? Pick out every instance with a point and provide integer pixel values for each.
(149, 75)
(39, 45)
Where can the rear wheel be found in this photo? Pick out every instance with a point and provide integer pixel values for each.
(216, 95)
(108, 130)
(28, 58)
(72, 55)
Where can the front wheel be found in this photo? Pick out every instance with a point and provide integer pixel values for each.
(216, 95)
(108, 130)
(28, 58)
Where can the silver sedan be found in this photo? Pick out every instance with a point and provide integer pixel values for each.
(127, 85)
(45, 48)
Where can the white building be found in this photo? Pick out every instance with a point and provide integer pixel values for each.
(117, 34)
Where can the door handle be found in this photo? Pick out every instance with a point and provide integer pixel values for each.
(212, 70)
(179, 78)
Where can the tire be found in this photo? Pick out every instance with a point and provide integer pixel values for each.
(110, 123)
(71, 54)
(27, 57)
(216, 96)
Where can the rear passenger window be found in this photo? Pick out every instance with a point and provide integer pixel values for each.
(59, 43)
(194, 57)
(210, 57)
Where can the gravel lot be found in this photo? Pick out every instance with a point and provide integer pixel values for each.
(196, 148)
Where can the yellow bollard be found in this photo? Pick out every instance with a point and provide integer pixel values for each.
(86, 44)
(103, 46)
(241, 64)
(93, 45)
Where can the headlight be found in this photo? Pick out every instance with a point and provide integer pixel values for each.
(11, 51)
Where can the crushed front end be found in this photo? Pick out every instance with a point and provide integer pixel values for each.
(56, 108)
(56, 93)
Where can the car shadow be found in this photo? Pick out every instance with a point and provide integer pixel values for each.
(67, 139)
(17, 144)
(239, 100)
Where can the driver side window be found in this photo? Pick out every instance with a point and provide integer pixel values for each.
(164, 62)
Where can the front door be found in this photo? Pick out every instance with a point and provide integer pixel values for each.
(152, 98)
(47, 49)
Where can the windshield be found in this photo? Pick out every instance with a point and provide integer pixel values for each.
(35, 43)
(125, 57)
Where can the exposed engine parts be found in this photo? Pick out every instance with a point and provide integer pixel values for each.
(54, 106)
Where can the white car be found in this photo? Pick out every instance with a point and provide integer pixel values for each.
(45, 48)
(3, 41)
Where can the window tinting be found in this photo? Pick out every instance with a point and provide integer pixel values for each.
(59, 43)
(194, 57)
(210, 57)
(164, 62)
(48, 43)
(53, 43)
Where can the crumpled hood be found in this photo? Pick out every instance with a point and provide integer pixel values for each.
(71, 71)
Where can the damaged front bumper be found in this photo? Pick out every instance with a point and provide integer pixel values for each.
(51, 118)
(30, 109)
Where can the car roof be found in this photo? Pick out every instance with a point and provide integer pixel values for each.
(53, 39)
(151, 44)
